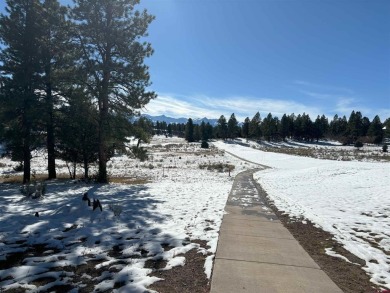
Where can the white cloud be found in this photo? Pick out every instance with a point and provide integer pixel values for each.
(204, 106)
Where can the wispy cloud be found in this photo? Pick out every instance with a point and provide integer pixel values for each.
(322, 87)
(204, 106)
(338, 100)
(316, 100)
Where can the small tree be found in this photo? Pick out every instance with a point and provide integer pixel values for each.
(384, 148)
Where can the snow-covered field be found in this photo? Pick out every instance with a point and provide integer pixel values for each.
(163, 205)
(351, 200)
(322, 150)
(70, 246)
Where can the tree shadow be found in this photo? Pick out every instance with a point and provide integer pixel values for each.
(70, 234)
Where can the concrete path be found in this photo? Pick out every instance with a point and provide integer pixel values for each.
(256, 253)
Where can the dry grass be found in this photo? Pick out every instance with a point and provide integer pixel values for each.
(37, 177)
(129, 180)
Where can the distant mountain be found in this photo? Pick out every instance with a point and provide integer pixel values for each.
(168, 120)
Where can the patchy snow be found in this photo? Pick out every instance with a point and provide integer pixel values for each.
(351, 200)
(159, 219)
(331, 252)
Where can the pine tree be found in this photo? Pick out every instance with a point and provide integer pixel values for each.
(222, 128)
(78, 134)
(269, 127)
(21, 71)
(232, 127)
(375, 131)
(109, 35)
(320, 127)
(254, 127)
(284, 126)
(355, 126)
(245, 128)
(55, 58)
(189, 131)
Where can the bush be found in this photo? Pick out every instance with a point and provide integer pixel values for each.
(140, 153)
(358, 144)
(384, 148)
(204, 145)
(220, 167)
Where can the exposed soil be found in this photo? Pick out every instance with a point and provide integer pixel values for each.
(189, 278)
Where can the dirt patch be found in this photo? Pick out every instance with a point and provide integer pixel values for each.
(189, 278)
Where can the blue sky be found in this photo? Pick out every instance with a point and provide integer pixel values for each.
(216, 57)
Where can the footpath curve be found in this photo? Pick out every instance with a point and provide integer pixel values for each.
(256, 253)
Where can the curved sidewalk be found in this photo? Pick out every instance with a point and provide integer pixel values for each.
(256, 253)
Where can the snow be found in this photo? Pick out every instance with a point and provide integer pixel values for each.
(351, 200)
(176, 204)
(160, 207)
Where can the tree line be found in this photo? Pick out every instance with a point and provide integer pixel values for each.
(298, 127)
(71, 79)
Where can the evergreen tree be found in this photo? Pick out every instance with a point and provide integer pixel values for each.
(245, 128)
(284, 126)
(222, 128)
(197, 134)
(209, 131)
(375, 131)
(307, 127)
(386, 126)
(355, 126)
(189, 131)
(254, 127)
(109, 36)
(232, 127)
(270, 127)
(142, 130)
(54, 48)
(78, 135)
(204, 134)
(365, 126)
(20, 32)
(320, 127)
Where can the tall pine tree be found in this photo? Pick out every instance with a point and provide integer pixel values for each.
(109, 34)
(20, 32)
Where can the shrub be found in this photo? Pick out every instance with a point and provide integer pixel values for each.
(358, 144)
(140, 153)
(220, 167)
(384, 148)
(204, 145)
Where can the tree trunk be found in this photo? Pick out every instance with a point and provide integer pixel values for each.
(74, 170)
(50, 140)
(103, 121)
(103, 118)
(85, 167)
(26, 160)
